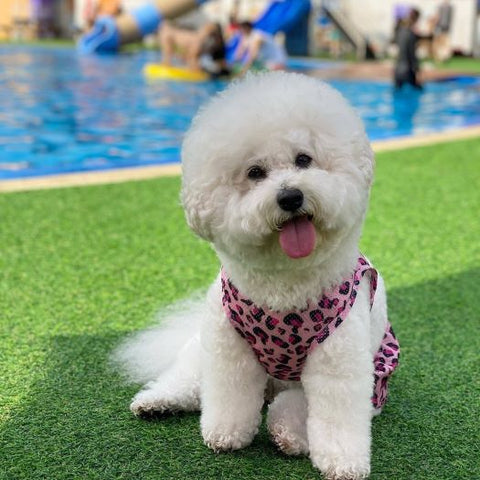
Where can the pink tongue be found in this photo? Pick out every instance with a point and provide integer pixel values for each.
(297, 237)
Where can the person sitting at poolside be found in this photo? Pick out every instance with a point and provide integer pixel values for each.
(258, 47)
(202, 49)
(441, 35)
(213, 52)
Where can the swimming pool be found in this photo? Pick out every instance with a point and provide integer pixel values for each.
(61, 112)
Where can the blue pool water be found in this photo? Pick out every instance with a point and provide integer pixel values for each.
(61, 112)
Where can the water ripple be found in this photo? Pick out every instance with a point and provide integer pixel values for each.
(61, 112)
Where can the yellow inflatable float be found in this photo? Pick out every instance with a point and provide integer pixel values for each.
(177, 74)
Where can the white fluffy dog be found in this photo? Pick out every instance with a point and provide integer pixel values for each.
(276, 175)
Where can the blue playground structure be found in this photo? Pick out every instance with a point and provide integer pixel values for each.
(290, 17)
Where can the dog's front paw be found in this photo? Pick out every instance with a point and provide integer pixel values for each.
(228, 433)
(224, 442)
(342, 468)
(224, 430)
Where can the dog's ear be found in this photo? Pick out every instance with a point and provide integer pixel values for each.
(360, 150)
(366, 161)
(356, 152)
(198, 211)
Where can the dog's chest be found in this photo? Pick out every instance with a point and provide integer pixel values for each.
(282, 340)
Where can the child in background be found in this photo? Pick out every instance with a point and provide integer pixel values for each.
(259, 47)
(202, 49)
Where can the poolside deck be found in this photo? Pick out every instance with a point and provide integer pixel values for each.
(383, 70)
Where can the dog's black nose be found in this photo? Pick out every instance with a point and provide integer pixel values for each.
(290, 199)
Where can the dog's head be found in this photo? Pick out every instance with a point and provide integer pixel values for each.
(275, 168)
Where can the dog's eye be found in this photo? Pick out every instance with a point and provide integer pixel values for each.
(302, 160)
(256, 173)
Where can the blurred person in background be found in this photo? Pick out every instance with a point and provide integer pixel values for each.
(94, 9)
(232, 26)
(407, 67)
(441, 33)
(202, 49)
(258, 48)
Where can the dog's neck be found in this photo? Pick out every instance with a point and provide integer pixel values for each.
(289, 288)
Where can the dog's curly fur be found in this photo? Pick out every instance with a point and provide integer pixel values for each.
(195, 359)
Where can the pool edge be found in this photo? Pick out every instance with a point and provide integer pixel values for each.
(97, 177)
(420, 140)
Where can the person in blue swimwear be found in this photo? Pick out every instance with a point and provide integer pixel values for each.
(258, 47)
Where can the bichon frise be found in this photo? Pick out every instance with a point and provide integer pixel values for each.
(276, 175)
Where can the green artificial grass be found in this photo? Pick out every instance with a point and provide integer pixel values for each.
(463, 64)
(81, 268)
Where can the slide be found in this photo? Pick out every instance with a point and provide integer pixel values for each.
(288, 16)
(351, 33)
(109, 33)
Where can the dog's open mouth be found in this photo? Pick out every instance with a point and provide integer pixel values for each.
(298, 236)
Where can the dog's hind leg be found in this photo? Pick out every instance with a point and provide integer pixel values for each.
(176, 389)
(287, 422)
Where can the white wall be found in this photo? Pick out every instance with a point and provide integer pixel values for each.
(78, 18)
(220, 10)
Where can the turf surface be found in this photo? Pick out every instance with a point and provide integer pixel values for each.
(81, 268)
(463, 64)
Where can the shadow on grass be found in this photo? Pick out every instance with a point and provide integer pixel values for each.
(75, 422)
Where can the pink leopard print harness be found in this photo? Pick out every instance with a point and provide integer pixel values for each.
(282, 340)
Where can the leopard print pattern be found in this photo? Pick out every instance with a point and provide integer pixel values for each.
(282, 340)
